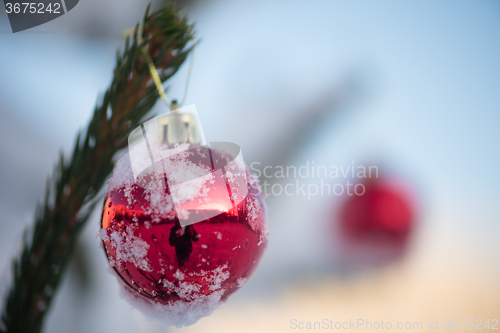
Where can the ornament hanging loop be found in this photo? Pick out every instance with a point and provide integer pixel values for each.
(152, 68)
(177, 126)
(156, 77)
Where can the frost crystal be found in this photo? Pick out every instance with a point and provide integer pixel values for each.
(217, 277)
(128, 247)
(181, 313)
(242, 282)
(253, 209)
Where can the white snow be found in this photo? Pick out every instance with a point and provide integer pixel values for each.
(242, 282)
(179, 275)
(217, 277)
(129, 248)
(253, 207)
(186, 312)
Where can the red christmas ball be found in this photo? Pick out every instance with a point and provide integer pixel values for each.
(384, 211)
(376, 225)
(182, 272)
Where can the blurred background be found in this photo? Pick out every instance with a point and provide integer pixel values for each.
(411, 87)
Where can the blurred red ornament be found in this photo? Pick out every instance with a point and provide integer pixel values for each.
(383, 211)
(376, 226)
(184, 272)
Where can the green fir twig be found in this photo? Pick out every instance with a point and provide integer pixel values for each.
(72, 190)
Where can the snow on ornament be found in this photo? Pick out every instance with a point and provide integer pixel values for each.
(184, 225)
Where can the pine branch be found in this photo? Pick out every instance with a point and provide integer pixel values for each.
(72, 190)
